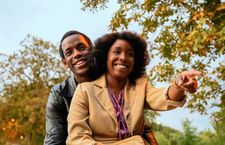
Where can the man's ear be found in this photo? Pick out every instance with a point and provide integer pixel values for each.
(64, 63)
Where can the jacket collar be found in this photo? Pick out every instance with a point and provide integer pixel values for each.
(104, 100)
(67, 87)
(102, 96)
(101, 81)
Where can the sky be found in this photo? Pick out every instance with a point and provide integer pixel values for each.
(50, 19)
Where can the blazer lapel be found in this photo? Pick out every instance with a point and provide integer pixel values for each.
(103, 98)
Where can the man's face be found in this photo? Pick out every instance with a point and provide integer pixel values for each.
(76, 50)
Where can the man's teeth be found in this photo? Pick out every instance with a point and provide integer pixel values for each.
(80, 62)
(121, 66)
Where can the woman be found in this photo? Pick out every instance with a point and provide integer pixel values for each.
(111, 108)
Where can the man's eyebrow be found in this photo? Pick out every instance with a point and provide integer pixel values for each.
(68, 49)
(75, 46)
(80, 44)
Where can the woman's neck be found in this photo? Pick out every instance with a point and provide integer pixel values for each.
(116, 85)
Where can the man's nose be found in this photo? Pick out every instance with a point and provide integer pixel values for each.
(76, 53)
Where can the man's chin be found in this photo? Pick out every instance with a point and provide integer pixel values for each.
(80, 72)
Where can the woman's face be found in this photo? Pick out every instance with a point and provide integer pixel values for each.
(120, 60)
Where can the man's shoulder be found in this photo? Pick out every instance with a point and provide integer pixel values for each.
(67, 83)
(64, 89)
(62, 93)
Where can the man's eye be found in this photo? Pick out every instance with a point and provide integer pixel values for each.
(68, 53)
(82, 47)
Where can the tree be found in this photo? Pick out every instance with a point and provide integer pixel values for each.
(26, 78)
(219, 125)
(166, 135)
(150, 117)
(208, 138)
(161, 139)
(189, 136)
(169, 136)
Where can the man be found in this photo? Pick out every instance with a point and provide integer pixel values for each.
(74, 50)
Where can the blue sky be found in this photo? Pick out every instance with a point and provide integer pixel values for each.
(50, 19)
(47, 19)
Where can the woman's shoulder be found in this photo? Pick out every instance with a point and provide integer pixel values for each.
(85, 84)
(142, 79)
(99, 82)
(85, 87)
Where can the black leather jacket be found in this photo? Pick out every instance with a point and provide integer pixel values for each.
(57, 109)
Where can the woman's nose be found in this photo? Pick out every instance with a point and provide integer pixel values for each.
(122, 56)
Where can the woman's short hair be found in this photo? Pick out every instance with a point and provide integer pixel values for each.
(98, 57)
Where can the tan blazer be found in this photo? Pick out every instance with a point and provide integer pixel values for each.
(92, 118)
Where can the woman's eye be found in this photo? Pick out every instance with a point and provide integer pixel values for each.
(116, 52)
(131, 54)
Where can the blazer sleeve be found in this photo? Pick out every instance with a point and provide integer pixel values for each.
(79, 131)
(157, 99)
